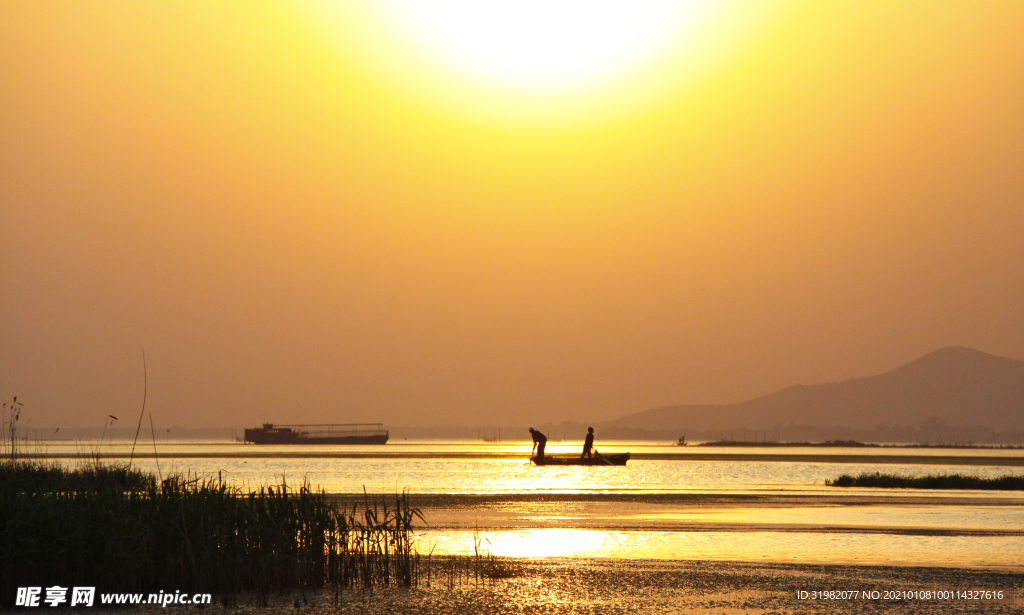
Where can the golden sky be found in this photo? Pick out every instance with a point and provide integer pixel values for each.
(339, 212)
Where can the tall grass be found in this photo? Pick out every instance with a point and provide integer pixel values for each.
(11, 412)
(1008, 482)
(41, 477)
(121, 530)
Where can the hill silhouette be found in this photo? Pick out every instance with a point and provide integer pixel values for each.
(955, 385)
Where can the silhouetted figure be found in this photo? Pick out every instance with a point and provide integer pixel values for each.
(588, 444)
(539, 442)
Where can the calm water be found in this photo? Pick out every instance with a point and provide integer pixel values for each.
(954, 528)
(778, 546)
(457, 467)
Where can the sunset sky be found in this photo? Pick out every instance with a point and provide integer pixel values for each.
(500, 214)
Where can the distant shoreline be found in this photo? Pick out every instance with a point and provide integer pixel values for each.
(856, 444)
(262, 453)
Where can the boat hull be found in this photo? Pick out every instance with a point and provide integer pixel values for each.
(262, 439)
(601, 460)
(316, 434)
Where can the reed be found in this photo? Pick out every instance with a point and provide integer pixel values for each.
(11, 412)
(43, 477)
(119, 529)
(1008, 482)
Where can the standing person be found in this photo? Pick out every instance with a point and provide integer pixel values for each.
(539, 442)
(588, 444)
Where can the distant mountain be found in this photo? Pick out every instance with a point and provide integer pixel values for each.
(959, 386)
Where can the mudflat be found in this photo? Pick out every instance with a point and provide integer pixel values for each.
(615, 587)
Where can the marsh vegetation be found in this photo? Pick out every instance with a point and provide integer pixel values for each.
(1008, 482)
(121, 529)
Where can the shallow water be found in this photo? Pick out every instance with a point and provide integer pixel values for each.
(799, 522)
(457, 467)
(787, 547)
(517, 449)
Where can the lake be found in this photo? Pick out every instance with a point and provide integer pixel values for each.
(669, 502)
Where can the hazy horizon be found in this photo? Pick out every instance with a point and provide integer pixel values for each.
(616, 422)
(302, 218)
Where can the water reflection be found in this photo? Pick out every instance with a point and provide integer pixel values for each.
(810, 547)
(640, 526)
(516, 476)
(501, 476)
(944, 517)
(510, 449)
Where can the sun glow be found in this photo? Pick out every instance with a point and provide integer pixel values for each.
(544, 45)
(556, 63)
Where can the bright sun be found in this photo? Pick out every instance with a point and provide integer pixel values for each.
(545, 45)
(537, 62)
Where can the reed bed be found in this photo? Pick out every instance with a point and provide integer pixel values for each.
(122, 530)
(42, 477)
(1008, 482)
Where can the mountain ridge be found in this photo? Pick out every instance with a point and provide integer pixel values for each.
(958, 385)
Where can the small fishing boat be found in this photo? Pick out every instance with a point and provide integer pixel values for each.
(618, 459)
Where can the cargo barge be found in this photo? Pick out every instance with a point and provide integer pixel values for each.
(354, 433)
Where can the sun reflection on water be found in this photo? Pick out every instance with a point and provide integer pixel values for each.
(548, 542)
(751, 509)
(810, 547)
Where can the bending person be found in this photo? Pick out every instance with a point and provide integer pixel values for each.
(539, 442)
